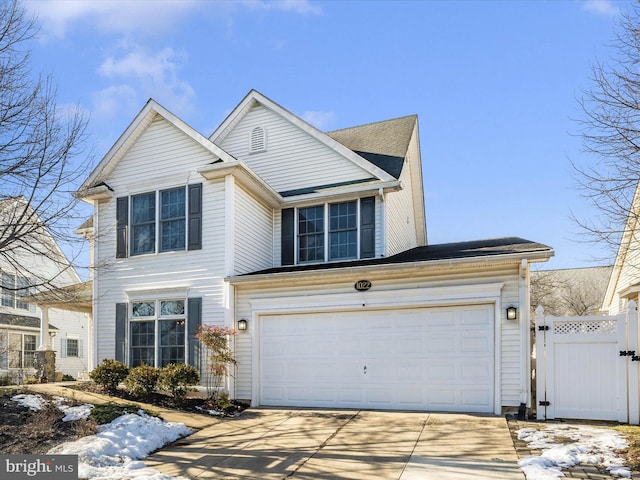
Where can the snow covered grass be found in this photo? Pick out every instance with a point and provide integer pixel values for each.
(565, 446)
(114, 453)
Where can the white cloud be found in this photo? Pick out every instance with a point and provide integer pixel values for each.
(138, 75)
(57, 17)
(319, 119)
(151, 17)
(304, 7)
(601, 7)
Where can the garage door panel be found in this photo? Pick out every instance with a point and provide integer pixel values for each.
(421, 358)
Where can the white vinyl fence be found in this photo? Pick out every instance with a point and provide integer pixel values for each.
(587, 367)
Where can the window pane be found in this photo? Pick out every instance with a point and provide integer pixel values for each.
(72, 347)
(172, 219)
(23, 285)
(29, 350)
(173, 235)
(15, 350)
(142, 343)
(143, 223)
(311, 234)
(172, 339)
(172, 307)
(8, 290)
(343, 239)
(144, 309)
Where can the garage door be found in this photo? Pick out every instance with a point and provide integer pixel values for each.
(416, 359)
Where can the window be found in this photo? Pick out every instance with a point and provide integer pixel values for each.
(329, 232)
(21, 350)
(157, 333)
(13, 288)
(162, 221)
(70, 347)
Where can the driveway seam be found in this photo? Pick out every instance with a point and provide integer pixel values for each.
(323, 444)
(415, 445)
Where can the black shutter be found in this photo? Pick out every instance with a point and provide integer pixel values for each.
(194, 320)
(122, 221)
(121, 331)
(194, 227)
(367, 227)
(287, 244)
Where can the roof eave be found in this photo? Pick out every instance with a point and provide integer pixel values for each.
(389, 268)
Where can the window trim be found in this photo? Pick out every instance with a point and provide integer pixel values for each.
(157, 318)
(158, 221)
(20, 283)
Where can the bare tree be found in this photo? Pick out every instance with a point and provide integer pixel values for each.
(570, 292)
(611, 134)
(40, 149)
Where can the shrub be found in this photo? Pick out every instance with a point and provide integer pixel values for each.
(108, 412)
(68, 378)
(109, 374)
(219, 357)
(6, 380)
(178, 379)
(142, 381)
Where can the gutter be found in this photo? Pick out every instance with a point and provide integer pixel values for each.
(472, 262)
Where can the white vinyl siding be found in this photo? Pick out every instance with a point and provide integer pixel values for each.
(401, 227)
(253, 234)
(293, 159)
(512, 346)
(162, 158)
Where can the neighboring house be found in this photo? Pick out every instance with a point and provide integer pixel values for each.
(624, 282)
(317, 243)
(21, 313)
(570, 291)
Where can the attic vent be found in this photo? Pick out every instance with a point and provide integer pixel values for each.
(258, 140)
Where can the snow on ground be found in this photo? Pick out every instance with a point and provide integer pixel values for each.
(36, 402)
(587, 445)
(114, 452)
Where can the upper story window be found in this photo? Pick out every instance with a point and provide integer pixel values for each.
(329, 232)
(175, 224)
(13, 288)
(257, 140)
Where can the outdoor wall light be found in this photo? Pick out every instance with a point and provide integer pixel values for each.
(512, 313)
(242, 324)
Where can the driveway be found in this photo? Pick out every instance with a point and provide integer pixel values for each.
(345, 444)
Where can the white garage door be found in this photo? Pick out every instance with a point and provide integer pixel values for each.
(415, 359)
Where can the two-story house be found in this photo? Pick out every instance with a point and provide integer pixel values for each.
(314, 245)
(28, 324)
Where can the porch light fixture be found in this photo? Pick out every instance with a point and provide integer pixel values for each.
(512, 313)
(242, 324)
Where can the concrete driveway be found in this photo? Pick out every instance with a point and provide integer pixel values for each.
(345, 444)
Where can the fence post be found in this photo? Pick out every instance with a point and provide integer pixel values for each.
(632, 396)
(541, 364)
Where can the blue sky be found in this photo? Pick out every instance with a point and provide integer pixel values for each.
(495, 85)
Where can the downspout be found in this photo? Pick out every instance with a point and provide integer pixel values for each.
(525, 357)
(383, 223)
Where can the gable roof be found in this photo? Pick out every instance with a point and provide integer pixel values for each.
(384, 143)
(254, 97)
(21, 321)
(148, 114)
(496, 248)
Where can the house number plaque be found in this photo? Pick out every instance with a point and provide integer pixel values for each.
(362, 285)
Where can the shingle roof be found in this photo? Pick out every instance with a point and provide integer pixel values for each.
(445, 251)
(21, 321)
(383, 143)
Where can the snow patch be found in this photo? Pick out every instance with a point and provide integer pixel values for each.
(594, 446)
